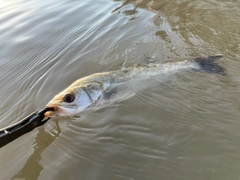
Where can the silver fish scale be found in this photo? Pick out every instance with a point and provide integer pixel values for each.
(94, 90)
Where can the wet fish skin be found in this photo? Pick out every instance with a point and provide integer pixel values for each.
(88, 92)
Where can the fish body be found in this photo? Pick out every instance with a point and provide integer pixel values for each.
(88, 92)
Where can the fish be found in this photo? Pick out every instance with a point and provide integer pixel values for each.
(91, 91)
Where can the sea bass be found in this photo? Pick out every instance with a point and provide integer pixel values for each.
(89, 92)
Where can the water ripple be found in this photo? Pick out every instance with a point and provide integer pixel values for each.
(177, 127)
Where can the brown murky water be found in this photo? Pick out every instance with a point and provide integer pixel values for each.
(187, 127)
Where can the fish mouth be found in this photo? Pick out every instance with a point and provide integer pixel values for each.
(58, 111)
(52, 113)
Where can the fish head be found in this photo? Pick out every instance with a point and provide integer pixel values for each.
(75, 99)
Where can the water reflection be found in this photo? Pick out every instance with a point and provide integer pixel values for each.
(32, 169)
(182, 25)
(183, 130)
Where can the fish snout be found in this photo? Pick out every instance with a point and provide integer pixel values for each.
(51, 113)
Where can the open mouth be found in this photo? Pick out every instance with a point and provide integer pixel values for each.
(59, 111)
(54, 112)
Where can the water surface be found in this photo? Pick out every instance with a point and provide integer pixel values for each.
(185, 126)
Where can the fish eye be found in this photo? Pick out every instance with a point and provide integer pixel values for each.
(68, 98)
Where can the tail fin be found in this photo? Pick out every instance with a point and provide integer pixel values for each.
(208, 64)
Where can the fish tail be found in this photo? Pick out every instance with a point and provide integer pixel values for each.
(208, 64)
